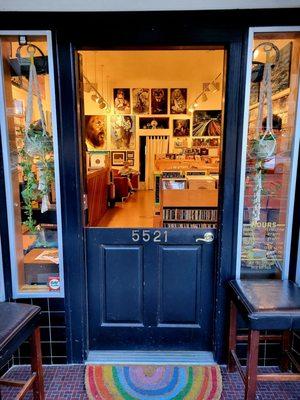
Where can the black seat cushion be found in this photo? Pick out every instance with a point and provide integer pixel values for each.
(268, 304)
(17, 322)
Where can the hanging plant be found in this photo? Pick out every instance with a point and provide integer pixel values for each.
(263, 146)
(38, 149)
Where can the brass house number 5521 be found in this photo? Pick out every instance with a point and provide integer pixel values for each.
(146, 235)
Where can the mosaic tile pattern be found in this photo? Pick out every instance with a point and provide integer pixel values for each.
(67, 382)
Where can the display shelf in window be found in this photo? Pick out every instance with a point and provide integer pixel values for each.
(30, 156)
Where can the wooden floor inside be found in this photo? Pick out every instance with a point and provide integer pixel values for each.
(136, 211)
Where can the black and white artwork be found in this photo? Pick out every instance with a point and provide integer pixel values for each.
(178, 101)
(141, 101)
(122, 101)
(159, 101)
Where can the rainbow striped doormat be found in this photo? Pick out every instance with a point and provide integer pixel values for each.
(155, 382)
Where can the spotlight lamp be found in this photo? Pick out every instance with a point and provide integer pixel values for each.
(207, 87)
(97, 97)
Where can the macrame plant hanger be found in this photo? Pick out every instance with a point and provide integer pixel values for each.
(264, 144)
(38, 147)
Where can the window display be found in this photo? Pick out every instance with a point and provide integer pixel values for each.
(271, 157)
(29, 138)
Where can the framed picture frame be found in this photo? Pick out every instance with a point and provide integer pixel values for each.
(181, 127)
(178, 101)
(130, 162)
(130, 155)
(154, 123)
(118, 158)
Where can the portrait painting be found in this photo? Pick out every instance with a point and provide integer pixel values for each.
(159, 101)
(122, 101)
(154, 123)
(178, 101)
(207, 123)
(141, 101)
(181, 127)
(95, 132)
(122, 131)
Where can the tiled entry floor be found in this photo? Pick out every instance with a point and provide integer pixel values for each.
(67, 382)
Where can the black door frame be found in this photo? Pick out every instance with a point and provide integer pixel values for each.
(139, 29)
(234, 44)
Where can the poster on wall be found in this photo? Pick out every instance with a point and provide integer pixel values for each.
(122, 101)
(118, 158)
(178, 101)
(154, 123)
(141, 101)
(122, 131)
(159, 101)
(95, 132)
(180, 142)
(181, 127)
(207, 123)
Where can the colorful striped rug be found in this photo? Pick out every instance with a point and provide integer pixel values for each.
(155, 382)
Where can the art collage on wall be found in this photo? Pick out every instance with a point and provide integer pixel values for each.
(143, 109)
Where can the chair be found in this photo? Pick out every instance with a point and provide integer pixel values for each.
(266, 305)
(17, 323)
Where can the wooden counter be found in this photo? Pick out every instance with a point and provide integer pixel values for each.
(97, 191)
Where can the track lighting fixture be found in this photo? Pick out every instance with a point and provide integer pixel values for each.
(96, 96)
(209, 87)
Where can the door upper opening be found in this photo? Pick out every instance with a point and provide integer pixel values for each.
(153, 136)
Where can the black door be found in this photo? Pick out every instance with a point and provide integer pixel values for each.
(150, 288)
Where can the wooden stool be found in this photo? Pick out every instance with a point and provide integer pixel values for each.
(17, 323)
(266, 305)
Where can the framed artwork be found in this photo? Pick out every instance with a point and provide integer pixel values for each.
(122, 101)
(213, 142)
(159, 101)
(154, 123)
(180, 142)
(95, 132)
(207, 123)
(131, 162)
(97, 160)
(178, 101)
(181, 127)
(122, 131)
(130, 155)
(141, 101)
(202, 142)
(118, 158)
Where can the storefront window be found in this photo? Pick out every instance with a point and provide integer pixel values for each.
(29, 139)
(271, 154)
